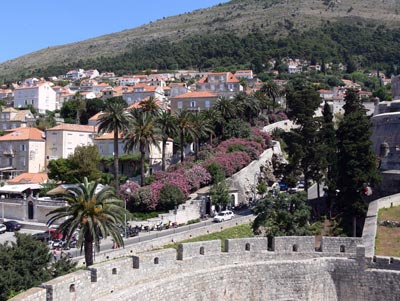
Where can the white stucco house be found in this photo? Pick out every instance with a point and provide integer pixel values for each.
(41, 96)
(62, 139)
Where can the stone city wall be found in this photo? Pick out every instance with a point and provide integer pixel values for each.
(302, 274)
(371, 221)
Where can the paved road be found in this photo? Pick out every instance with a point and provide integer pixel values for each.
(9, 236)
(107, 243)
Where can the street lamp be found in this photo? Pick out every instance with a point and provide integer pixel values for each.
(127, 192)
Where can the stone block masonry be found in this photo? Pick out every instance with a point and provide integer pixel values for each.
(245, 270)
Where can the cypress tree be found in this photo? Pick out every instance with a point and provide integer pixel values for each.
(356, 162)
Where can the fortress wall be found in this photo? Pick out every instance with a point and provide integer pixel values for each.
(33, 294)
(371, 220)
(210, 247)
(384, 262)
(69, 287)
(353, 283)
(287, 280)
(288, 244)
(241, 275)
(336, 245)
(253, 244)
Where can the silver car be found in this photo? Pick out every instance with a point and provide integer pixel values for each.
(223, 216)
(3, 228)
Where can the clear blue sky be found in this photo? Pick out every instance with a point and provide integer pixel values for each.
(28, 25)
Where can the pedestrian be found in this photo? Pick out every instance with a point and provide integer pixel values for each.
(55, 254)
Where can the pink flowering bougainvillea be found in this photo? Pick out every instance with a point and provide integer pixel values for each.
(231, 155)
(197, 176)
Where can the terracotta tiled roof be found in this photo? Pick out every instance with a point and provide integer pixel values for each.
(9, 110)
(73, 127)
(140, 103)
(26, 133)
(230, 78)
(95, 116)
(29, 178)
(107, 136)
(199, 94)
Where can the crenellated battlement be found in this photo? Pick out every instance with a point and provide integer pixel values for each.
(148, 269)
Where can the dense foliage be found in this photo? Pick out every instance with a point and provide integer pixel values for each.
(26, 263)
(283, 214)
(355, 45)
(80, 164)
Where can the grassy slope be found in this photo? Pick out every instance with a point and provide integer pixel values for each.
(387, 241)
(234, 232)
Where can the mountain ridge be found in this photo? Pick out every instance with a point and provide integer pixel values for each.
(277, 18)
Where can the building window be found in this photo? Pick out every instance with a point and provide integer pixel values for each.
(193, 104)
(180, 105)
(22, 147)
(208, 104)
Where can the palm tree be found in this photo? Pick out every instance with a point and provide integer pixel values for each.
(227, 109)
(214, 118)
(185, 128)
(141, 134)
(249, 105)
(92, 214)
(150, 105)
(80, 106)
(166, 123)
(202, 127)
(271, 89)
(115, 119)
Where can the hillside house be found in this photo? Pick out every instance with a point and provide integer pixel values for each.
(22, 150)
(6, 93)
(11, 118)
(75, 74)
(245, 74)
(177, 89)
(139, 92)
(62, 139)
(110, 92)
(41, 97)
(92, 73)
(197, 101)
(221, 83)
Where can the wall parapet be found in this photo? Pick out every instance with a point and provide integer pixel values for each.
(371, 221)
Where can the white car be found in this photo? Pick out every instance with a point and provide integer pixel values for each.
(3, 228)
(223, 216)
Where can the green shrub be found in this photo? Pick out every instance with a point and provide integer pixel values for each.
(193, 221)
(216, 172)
(170, 196)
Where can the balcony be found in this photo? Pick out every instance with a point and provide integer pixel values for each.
(8, 153)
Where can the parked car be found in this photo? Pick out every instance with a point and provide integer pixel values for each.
(224, 216)
(12, 226)
(3, 228)
(54, 233)
(283, 186)
(42, 236)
